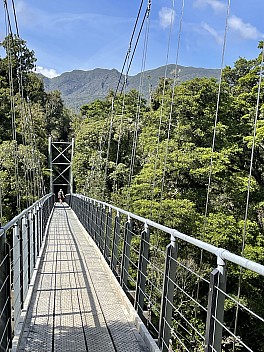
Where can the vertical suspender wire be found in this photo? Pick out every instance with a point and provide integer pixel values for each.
(120, 77)
(135, 137)
(108, 147)
(22, 104)
(31, 183)
(170, 114)
(146, 15)
(153, 182)
(123, 89)
(216, 119)
(36, 164)
(115, 185)
(161, 113)
(129, 47)
(248, 192)
(213, 145)
(12, 105)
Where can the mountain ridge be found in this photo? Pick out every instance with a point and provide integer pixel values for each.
(80, 87)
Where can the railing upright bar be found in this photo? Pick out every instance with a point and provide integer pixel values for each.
(37, 230)
(165, 322)
(5, 301)
(93, 218)
(116, 238)
(25, 255)
(21, 252)
(142, 272)
(86, 216)
(215, 309)
(97, 224)
(108, 235)
(16, 274)
(102, 228)
(126, 254)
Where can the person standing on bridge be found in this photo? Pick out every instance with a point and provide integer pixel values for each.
(61, 196)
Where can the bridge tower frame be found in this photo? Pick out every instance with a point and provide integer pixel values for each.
(60, 165)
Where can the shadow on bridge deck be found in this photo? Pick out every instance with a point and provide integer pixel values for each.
(75, 305)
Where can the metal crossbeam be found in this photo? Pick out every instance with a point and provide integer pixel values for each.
(60, 161)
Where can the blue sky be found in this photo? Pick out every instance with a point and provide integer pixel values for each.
(83, 34)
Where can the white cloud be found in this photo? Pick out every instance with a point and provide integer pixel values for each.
(48, 72)
(213, 32)
(246, 30)
(166, 16)
(216, 5)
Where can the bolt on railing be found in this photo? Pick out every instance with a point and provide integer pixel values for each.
(186, 304)
(20, 243)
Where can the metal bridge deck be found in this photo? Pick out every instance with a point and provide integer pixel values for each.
(74, 305)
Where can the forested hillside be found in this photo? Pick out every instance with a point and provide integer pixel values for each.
(156, 160)
(28, 116)
(81, 87)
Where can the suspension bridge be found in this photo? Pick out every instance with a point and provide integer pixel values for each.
(86, 275)
(79, 277)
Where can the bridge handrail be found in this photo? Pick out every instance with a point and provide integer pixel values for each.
(21, 241)
(221, 253)
(25, 211)
(185, 301)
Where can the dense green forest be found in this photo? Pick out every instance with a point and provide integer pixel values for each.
(169, 181)
(155, 159)
(152, 157)
(28, 116)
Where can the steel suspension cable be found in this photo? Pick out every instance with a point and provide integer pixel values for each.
(248, 191)
(161, 112)
(135, 137)
(171, 110)
(130, 46)
(32, 136)
(216, 118)
(115, 186)
(146, 15)
(9, 35)
(213, 144)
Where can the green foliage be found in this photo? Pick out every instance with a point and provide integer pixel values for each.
(171, 169)
(25, 128)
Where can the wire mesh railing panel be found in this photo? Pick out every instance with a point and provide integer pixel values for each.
(20, 242)
(192, 296)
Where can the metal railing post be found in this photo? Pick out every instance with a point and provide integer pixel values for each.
(40, 225)
(37, 230)
(116, 239)
(126, 254)
(93, 222)
(25, 256)
(16, 274)
(97, 225)
(108, 230)
(34, 237)
(142, 271)
(21, 259)
(215, 309)
(30, 244)
(86, 215)
(5, 301)
(102, 228)
(165, 323)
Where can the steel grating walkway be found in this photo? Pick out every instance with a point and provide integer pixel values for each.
(74, 305)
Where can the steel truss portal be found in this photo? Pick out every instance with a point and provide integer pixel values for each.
(60, 163)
